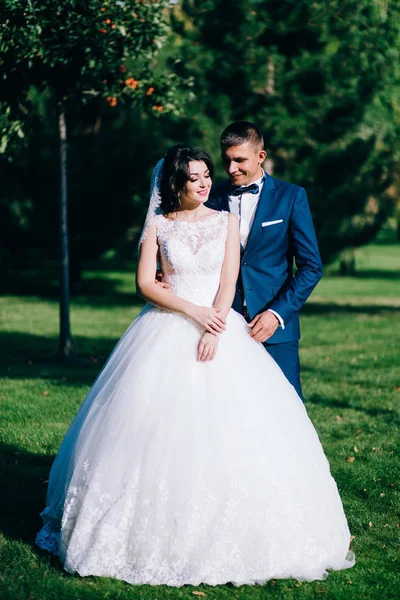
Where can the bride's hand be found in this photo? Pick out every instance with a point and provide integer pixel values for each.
(208, 318)
(207, 348)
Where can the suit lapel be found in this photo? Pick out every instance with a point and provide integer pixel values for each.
(264, 207)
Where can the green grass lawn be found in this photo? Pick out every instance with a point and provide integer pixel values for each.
(351, 381)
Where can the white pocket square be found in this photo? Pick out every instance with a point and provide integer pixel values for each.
(268, 223)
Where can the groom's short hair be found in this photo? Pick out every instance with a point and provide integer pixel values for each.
(239, 133)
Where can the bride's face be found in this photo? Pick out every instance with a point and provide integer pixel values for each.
(197, 188)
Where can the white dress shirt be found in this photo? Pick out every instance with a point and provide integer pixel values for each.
(244, 207)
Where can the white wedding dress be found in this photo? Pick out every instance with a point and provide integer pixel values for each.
(182, 472)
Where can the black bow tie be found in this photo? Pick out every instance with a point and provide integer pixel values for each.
(250, 189)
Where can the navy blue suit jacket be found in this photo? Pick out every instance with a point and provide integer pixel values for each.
(266, 277)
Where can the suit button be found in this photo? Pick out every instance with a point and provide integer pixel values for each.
(245, 264)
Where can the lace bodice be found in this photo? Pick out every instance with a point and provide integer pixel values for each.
(192, 254)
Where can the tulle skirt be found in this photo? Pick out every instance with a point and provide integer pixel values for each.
(180, 472)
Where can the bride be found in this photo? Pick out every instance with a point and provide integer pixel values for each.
(192, 459)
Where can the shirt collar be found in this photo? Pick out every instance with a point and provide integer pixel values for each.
(262, 179)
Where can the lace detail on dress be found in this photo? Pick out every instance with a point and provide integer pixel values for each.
(192, 255)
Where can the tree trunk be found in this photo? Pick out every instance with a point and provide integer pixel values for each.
(65, 329)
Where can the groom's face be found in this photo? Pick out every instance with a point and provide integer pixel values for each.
(243, 163)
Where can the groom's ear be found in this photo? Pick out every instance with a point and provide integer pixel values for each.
(262, 156)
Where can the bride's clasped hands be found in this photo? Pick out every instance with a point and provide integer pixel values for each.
(213, 323)
(209, 319)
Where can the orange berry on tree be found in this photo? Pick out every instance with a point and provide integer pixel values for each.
(132, 83)
(150, 91)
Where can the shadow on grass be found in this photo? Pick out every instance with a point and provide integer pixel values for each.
(32, 356)
(97, 291)
(387, 415)
(377, 274)
(99, 299)
(316, 308)
(23, 477)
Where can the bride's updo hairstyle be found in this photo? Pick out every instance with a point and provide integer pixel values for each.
(176, 173)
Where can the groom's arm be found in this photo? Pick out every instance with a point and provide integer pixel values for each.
(308, 261)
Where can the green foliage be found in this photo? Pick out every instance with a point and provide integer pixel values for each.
(9, 129)
(92, 58)
(108, 174)
(81, 49)
(320, 81)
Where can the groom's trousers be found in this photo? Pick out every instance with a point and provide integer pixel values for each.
(287, 357)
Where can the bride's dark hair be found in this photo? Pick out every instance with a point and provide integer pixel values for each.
(176, 173)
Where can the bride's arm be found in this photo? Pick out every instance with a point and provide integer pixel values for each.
(230, 268)
(158, 296)
(208, 344)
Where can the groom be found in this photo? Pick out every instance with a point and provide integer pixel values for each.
(275, 227)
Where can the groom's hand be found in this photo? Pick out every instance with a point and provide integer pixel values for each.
(160, 281)
(263, 326)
